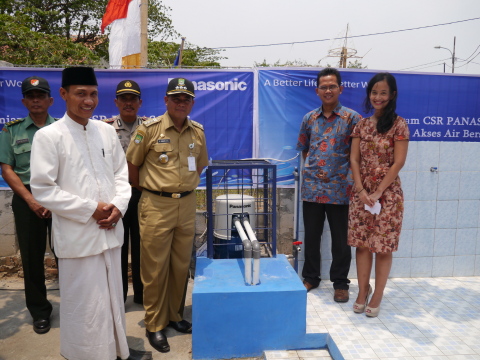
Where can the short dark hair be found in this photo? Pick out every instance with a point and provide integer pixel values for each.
(329, 71)
(386, 120)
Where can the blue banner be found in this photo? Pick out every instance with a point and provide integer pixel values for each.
(436, 107)
(223, 102)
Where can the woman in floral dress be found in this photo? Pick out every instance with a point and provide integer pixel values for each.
(378, 152)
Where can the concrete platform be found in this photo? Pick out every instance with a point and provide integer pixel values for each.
(231, 319)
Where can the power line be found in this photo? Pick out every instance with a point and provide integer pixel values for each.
(469, 61)
(473, 53)
(338, 38)
(436, 62)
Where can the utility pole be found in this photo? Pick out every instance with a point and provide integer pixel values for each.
(344, 53)
(144, 33)
(453, 55)
(181, 52)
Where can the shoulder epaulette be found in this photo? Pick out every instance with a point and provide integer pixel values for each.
(197, 124)
(152, 121)
(13, 122)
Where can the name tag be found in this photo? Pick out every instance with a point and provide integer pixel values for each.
(191, 164)
(21, 141)
(163, 141)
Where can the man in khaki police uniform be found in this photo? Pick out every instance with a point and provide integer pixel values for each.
(31, 219)
(165, 158)
(128, 101)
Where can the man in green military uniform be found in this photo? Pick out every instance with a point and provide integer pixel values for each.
(32, 220)
(128, 101)
(165, 158)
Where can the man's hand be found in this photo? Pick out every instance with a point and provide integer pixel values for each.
(38, 209)
(100, 212)
(111, 221)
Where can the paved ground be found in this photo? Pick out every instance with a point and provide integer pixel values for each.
(18, 341)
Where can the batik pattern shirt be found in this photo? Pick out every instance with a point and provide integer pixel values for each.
(326, 177)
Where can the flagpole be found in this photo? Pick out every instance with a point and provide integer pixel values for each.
(144, 33)
(181, 52)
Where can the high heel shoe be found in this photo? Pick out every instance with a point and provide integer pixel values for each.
(359, 308)
(372, 312)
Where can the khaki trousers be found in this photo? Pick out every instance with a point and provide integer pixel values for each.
(167, 230)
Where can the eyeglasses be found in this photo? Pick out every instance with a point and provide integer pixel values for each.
(325, 88)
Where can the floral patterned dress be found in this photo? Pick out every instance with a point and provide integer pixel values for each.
(380, 233)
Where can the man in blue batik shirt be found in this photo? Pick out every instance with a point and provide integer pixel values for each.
(324, 140)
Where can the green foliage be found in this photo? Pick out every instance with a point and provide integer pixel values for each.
(357, 64)
(278, 63)
(22, 46)
(163, 54)
(58, 32)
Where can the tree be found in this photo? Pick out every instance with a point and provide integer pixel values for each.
(22, 46)
(79, 21)
(294, 63)
(163, 54)
(357, 64)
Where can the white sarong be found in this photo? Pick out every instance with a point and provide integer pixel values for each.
(92, 313)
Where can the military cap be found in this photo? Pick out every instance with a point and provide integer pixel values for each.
(35, 83)
(128, 87)
(180, 86)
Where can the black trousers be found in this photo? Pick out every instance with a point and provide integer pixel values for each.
(132, 235)
(313, 220)
(32, 233)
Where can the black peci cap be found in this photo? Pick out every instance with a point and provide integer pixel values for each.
(128, 87)
(180, 86)
(79, 76)
(35, 83)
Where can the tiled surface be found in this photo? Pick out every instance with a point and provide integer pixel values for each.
(421, 319)
(441, 221)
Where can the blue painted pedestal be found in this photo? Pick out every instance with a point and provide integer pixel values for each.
(231, 319)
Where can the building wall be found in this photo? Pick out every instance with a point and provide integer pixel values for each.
(440, 233)
(8, 245)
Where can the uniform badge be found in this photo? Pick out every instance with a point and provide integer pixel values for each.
(138, 137)
(163, 158)
(128, 84)
(34, 82)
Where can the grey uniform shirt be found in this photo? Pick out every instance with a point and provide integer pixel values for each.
(124, 132)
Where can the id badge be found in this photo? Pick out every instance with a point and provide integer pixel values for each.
(191, 164)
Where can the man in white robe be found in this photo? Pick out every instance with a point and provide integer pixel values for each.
(80, 174)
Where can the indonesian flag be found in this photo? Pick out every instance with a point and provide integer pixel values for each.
(124, 17)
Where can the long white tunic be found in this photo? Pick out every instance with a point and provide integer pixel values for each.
(73, 168)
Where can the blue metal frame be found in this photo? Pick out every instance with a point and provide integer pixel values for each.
(268, 174)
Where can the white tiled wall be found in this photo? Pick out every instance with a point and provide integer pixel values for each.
(440, 233)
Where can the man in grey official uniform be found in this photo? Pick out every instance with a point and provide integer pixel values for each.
(128, 101)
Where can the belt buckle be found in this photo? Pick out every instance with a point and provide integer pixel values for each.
(176, 196)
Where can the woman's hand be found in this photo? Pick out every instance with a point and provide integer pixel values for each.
(375, 196)
(365, 198)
